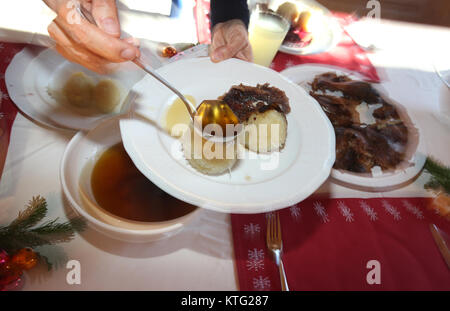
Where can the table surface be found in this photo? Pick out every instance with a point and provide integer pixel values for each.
(201, 256)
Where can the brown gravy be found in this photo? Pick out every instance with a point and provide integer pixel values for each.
(122, 190)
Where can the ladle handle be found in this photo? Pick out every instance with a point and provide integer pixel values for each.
(138, 61)
(191, 109)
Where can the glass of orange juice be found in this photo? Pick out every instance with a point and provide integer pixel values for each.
(266, 33)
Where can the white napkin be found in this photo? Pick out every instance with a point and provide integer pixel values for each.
(26, 21)
(160, 6)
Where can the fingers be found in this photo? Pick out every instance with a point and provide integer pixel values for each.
(230, 49)
(230, 40)
(246, 54)
(75, 52)
(96, 40)
(105, 15)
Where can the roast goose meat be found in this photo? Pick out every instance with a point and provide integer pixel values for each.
(245, 100)
(359, 146)
(358, 90)
(340, 111)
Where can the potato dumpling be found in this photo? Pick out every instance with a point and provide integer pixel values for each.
(289, 11)
(206, 156)
(78, 90)
(106, 95)
(265, 132)
(303, 19)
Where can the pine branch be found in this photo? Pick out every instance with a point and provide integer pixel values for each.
(35, 211)
(59, 232)
(12, 241)
(22, 232)
(440, 175)
(47, 234)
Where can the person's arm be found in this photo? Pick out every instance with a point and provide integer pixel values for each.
(229, 22)
(225, 10)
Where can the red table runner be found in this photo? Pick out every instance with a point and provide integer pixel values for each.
(332, 244)
(8, 110)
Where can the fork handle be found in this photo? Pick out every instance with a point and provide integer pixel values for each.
(284, 284)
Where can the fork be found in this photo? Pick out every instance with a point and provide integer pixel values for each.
(275, 245)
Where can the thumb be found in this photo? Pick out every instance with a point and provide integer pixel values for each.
(105, 14)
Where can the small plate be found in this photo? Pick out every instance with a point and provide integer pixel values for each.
(36, 70)
(302, 75)
(325, 37)
(256, 183)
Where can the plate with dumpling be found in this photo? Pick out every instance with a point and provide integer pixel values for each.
(283, 153)
(61, 94)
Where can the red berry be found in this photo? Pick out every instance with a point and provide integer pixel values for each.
(25, 259)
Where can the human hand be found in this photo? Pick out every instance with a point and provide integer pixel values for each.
(91, 46)
(230, 39)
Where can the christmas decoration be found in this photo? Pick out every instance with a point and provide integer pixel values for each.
(440, 185)
(18, 239)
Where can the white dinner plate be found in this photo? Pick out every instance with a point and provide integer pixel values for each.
(35, 70)
(256, 183)
(304, 74)
(327, 32)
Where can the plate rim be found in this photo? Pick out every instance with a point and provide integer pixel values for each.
(14, 85)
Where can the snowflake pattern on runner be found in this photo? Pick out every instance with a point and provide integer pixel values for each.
(2, 46)
(295, 211)
(321, 212)
(261, 283)
(289, 63)
(255, 254)
(345, 211)
(391, 210)
(369, 210)
(413, 209)
(255, 261)
(4, 96)
(252, 229)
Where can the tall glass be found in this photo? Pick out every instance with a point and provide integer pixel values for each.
(266, 33)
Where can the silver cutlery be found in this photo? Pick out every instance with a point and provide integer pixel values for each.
(275, 245)
(209, 111)
(441, 244)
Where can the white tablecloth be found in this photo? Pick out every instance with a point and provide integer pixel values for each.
(201, 257)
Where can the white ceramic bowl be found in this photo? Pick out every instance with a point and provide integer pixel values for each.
(76, 167)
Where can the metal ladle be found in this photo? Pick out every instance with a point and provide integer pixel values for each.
(209, 111)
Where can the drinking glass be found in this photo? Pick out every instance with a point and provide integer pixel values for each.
(266, 33)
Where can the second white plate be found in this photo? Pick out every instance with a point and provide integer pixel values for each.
(303, 74)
